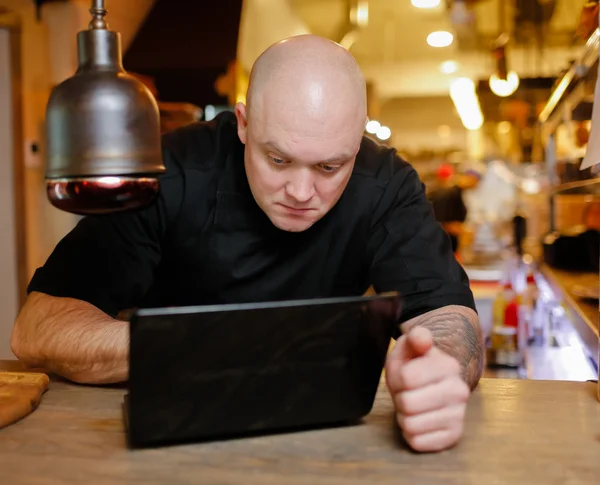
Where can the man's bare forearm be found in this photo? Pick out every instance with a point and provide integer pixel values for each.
(71, 338)
(456, 331)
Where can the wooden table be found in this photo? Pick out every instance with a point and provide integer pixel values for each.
(517, 432)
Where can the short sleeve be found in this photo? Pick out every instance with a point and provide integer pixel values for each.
(109, 260)
(410, 252)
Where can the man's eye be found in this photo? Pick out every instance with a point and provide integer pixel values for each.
(277, 161)
(329, 168)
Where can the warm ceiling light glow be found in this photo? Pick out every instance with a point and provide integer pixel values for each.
(425, 3)
(372, 126)
(464, 97)
(440, 38)
(360, 14)
(504, 87)
(504, 127)
(384, 133)
(531, 186)
(444, 132)
(449, 67)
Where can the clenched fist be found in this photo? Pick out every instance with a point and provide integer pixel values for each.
(428, 391)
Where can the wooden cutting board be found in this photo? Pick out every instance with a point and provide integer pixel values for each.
(20, 394)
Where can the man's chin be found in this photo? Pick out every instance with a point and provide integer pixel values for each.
(289, 224)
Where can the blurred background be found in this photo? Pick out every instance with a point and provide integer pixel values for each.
(490, 100)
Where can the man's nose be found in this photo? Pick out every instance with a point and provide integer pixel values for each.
(301, 187)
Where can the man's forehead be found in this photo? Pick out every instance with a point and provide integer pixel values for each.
(274, 124)
(302, 135)
(312, 152)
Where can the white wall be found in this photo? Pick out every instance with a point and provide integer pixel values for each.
(8, 253)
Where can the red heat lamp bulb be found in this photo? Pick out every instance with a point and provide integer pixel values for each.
(101, 195)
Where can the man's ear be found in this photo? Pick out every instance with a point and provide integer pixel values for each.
(242, 121)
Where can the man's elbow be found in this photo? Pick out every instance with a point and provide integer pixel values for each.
(16, 345)
(23, 345)
(28, 340)
(29, 351)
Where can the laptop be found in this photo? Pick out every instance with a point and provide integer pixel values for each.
(215, 372)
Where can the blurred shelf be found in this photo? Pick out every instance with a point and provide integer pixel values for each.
(584, 313)
(569, 90)
(567, 363)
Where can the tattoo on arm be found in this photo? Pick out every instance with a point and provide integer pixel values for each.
(456, 331)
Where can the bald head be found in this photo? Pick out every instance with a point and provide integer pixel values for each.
(302, 128)
(309, 76)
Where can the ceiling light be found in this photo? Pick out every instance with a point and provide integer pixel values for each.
(449, 67)
(349, 39)
(440, 38)
(209, 112)
(384, 133)
(504, 127)
(359, 14)
(530, 186)
(373, 126)
(425, 3)
(504, 87)
(464, 97)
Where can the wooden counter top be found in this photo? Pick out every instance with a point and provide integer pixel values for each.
(517, 432)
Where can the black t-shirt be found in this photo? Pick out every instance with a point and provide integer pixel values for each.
(205, 240)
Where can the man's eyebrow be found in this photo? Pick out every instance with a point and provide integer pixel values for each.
(336, 159)
(274, 146)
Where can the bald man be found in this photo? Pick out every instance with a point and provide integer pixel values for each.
(284, 200)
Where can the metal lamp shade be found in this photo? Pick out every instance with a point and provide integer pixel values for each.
(102, 131)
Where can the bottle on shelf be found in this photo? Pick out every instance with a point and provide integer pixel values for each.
(498, 310)
(508, 339)
(508, 355)
(529, 306)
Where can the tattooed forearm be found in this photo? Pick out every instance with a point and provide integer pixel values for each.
(456, 331)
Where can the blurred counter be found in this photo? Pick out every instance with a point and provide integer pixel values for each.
(569, 349)
(583, 312)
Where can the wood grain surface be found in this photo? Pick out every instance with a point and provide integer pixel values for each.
(20, 394)
(517, 432)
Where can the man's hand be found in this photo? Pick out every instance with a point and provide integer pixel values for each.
(429, 394)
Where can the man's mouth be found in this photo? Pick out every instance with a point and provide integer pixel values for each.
(296, 210)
